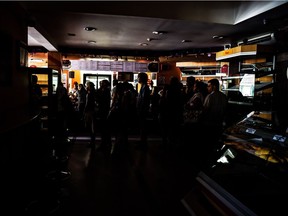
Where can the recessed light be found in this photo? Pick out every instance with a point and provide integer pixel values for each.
(88, 28)
(92, 42)
(217, 37)
(143, 44)
(71, 34)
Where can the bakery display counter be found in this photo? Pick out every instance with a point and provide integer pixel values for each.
(250, 173)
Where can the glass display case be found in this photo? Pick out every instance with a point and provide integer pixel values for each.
(249, 174)
(48, 80)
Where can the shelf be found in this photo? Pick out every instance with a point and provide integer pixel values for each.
(258, 87)
(203, 75)
(263, 86)
(257, 75)
(233, 77)
(242, 51)
(240, 103)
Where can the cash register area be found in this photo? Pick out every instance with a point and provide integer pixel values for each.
(247, 176)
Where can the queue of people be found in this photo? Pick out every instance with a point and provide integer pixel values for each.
(181, 114)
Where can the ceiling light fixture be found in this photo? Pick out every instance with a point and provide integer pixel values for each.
(143, 44)
(157, 32)
(90, 28)
(217, 37)
(92, 42)
(256, 39)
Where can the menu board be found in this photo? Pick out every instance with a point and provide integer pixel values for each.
(116, 66)
(140, 67)
(82, 65)
(119, 66)
(129, 66)
(103, 65)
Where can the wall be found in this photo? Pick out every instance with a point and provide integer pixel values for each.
(280, 102)
(170, 70)
(14, 91)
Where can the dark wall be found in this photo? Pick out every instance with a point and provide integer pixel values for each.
(13, 82)
(281, 91)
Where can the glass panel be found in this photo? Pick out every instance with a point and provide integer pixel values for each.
(54, 81)
(43, 82)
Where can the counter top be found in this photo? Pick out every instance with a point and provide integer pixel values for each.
(15, 119)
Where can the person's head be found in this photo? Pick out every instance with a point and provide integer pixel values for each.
(200, 86)
(75, 84)
(120, 88)
(90, 86)
(190, 82)
(80, 86)
(105, 84)
(142, 78)
(213, 85)
(34, 79)
(174, 81)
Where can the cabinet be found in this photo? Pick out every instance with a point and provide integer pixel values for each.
(200, 70)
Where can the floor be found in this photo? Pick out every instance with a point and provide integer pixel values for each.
(131, 181)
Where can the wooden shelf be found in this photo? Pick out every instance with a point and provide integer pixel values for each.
(240, 51)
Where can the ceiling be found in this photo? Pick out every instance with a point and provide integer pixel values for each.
(121, 26)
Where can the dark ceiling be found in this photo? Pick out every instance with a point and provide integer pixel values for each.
(122, 25)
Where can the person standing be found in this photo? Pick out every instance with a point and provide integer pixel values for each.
(213, 117)
(143, 104)
(36, 93)
(189, 91)
(89, 112)
(63, 119)
(103, 100)
(214, 106)
(175, 103)
(81, 99)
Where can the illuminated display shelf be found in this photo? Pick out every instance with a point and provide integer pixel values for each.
(251, 74)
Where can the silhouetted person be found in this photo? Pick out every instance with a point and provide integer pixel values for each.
(214, 107)
(163, 115)
(89, 112)
(194, 106)
(192, 133)
(189, 88)
(103, 99)
(213, 117)
(36, 93)
(143, 103)
(175, 103)
(154, 106)
(64, 110)
(81, 100)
